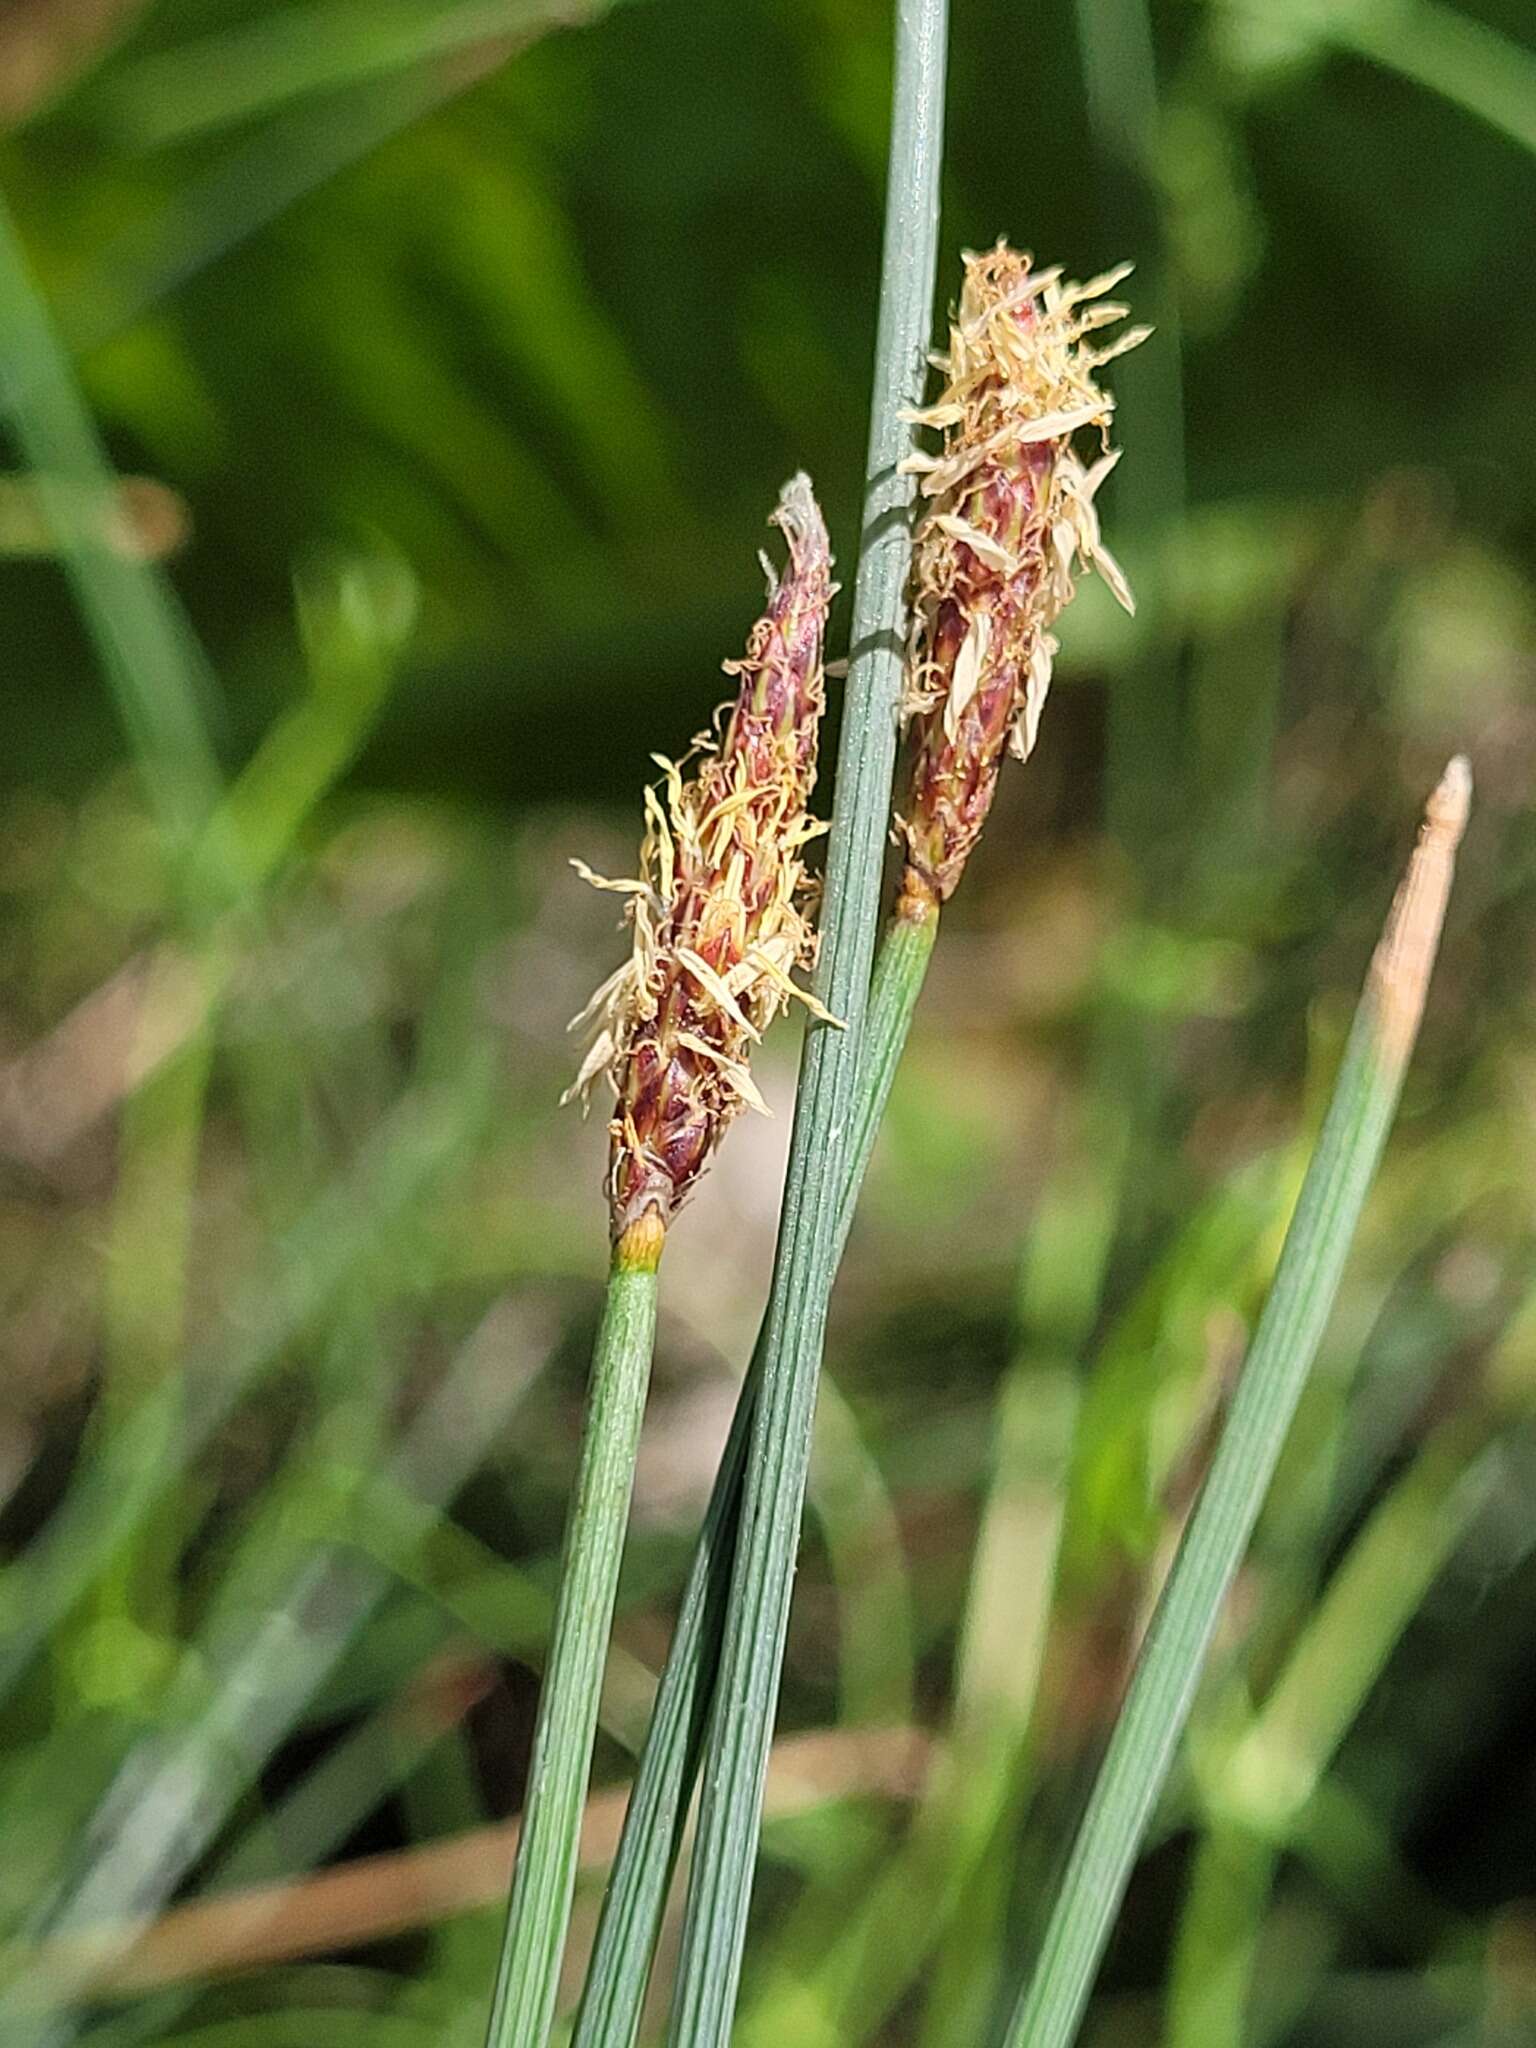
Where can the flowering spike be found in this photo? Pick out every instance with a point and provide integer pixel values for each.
(719, 914)
(1012, 519)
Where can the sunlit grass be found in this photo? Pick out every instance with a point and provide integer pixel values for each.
(298, 1265)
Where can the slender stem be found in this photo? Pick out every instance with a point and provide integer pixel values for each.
(156, 673)
(741, 1724)
(1333, 1193)
(1257, 1794)
(154, 1206)
(626, 1937)
(1475, 66)
(1229, 1890)
(670, 1762)
(544, 1880)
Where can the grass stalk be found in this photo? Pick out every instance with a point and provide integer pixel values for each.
(887, 1927)
(1229, 1890)
(220, 843)
(1257, 1792)
(544, 1879)
(1285, 1343)
(673, 1031)
(757, 1612)
(614, 1995)
(157, 673)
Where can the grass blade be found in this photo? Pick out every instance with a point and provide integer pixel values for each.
(1470, 63)
(1258, 1788)
(538, 1912)
(364, 1214)
(157, 673)
(1284, 1345)
(245, 72)
(758, 1609)
(626, 1937)
(177, 1788)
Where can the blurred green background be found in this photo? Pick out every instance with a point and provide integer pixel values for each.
(451, 356)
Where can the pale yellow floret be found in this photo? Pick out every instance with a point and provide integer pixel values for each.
(1012, 383)
(966, 677)
(691, 828)
(707, 978)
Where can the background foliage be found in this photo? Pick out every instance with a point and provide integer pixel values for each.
(458, 352)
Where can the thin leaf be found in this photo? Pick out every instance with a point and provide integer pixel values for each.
(1257, 1790)
(1470, 63)
(663, 1790)
(157, 673)
(757, 1614)
(243, 73)
(544, 1880)
(1284, 1346)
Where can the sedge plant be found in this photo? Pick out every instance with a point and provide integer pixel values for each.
(1167, 1671)
(992, 568)
(1008, 516)
(719, 924)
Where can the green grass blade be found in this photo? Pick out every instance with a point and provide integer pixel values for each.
(626, 1937)
(1258, 1789)
(243, 190)
(354, 623)
(1470, 63)
(366, 1213)
(1291, 1327)
(252, 1680)
(758, 1609)
(245, 72)
(1228, 1894)
(156, 671)
(544, 1878)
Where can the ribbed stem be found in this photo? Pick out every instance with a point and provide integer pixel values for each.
(544, 1878)
(1162, 1688)
(626, 1937)
(773, 1491)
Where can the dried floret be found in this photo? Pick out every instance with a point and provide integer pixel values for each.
(721, 908)
(1010, 523)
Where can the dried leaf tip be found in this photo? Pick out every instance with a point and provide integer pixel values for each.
(1400, 969)
(1011, 522)
(720, 908)
(1450, 801)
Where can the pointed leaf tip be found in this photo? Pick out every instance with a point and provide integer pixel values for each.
(1401, 968)
(1450, 802)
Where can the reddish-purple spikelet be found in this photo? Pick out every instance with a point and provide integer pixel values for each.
(1011, 520)
(720, 908)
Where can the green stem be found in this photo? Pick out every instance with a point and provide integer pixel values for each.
(1162, 1688)
(156, 673)
(544, 1878)
(148, 1273)
(626, 1936)
(1219, 1929)
(1258, 1794)
(773, 1492)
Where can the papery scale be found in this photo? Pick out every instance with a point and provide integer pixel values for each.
(995, 559)
(720, 912)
